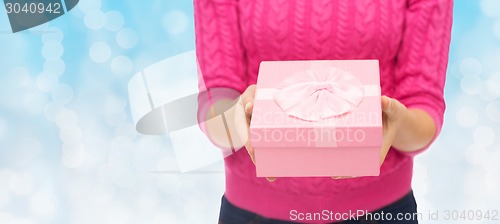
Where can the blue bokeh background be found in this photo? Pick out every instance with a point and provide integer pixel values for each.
(69, 152)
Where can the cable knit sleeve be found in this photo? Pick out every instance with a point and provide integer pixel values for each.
(423, 57)
(219, 47)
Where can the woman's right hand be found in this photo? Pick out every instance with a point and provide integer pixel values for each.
(247, 99)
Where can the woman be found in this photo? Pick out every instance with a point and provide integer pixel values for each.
(411, 40)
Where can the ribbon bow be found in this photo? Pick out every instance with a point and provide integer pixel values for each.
(319, 93)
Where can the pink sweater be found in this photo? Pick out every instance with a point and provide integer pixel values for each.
(410, 39)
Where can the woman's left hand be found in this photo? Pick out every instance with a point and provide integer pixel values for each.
(393, 113)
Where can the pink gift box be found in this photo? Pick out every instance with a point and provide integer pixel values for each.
(317, 118)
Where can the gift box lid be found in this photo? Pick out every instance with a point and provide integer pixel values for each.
(317, 103)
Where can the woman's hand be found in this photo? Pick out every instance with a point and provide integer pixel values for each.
(407, 130)
(247, 99)
(393, 114)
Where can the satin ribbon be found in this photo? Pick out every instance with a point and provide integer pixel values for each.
(319, 93)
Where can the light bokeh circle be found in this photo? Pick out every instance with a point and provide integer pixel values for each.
(121, 65)
(175, 22)
(52, 50)
(100, 52)
(467, 116)
(95, 20)
(126, 38)
(471, 85)
(470, 67)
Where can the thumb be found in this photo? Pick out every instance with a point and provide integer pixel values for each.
(387, 105)
(248, 108)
